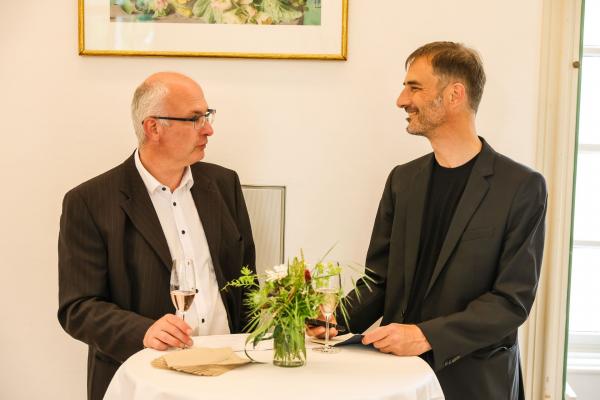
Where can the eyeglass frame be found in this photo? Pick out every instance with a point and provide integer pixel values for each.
(209, 116)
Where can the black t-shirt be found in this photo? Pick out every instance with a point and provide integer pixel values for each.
(446, 187)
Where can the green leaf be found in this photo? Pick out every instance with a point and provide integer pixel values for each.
(279, 11)
(127, 5)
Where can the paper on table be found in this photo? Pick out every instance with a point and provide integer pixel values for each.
(341, 340)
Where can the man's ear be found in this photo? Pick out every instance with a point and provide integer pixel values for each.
(457, 94)
(150, 129)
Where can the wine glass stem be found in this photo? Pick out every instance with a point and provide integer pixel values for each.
(185, 346)
(327, 316)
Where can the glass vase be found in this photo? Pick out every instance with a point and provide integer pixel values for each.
(289, 349)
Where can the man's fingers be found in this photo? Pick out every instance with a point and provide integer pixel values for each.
(169, 339)
(177, 333)
(153, 343)
(179, 323)
(319, 331)
(169, 330)
(375, 335)
(332, 332)
(158, 345)
(383, 343)
(176, 327)
(315, 330)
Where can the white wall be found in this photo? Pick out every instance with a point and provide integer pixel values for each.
(329, 131)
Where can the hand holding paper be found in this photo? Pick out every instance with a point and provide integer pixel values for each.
(398, 339)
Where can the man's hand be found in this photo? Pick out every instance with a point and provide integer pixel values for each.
(398, 339)
(168, 331)
(319, 331)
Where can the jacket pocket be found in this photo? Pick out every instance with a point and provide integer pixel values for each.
(487, 353)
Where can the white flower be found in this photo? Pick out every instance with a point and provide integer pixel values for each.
(278, 272)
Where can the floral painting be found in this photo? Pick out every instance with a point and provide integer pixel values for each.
(255, 12)
(276, 29)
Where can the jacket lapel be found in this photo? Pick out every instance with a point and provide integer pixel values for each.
(475, 190)
(208, 204)
(140, 210)
(414, 216)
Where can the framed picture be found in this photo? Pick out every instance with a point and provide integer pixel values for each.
(293, 29)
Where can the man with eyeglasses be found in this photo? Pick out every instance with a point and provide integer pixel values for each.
(120, 231)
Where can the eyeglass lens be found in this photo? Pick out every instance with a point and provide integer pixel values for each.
(200, 122)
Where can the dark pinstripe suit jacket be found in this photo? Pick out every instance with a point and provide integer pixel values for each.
(114, 262)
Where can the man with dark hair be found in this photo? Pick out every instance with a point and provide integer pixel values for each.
(120, 231)
(457, 243)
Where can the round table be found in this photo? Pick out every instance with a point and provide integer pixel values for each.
(356, 372)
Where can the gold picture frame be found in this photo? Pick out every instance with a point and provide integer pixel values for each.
(103, 34)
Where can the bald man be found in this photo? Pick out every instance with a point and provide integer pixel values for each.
(120, 232)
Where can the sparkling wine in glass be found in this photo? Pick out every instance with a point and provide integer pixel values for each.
(329, 288)
(183, 285)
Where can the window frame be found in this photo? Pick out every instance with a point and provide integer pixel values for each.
(583, 351)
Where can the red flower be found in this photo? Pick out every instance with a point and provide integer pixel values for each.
(307, 276)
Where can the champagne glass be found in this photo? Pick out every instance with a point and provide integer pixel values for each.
(329, 287)
(183, 285)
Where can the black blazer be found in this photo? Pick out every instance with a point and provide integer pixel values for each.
(484, 282)
(114, 262)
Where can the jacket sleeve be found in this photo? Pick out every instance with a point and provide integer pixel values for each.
(499, 312)
(85, 310)
(365, 303)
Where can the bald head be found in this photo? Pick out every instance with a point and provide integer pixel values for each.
(167, 77)
(153, 95)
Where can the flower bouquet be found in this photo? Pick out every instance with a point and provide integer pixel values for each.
(281, 304)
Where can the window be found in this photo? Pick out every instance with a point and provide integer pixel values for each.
(583, 362)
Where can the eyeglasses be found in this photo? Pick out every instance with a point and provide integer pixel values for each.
(198, 121)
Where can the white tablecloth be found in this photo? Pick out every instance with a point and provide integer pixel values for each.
(356, 372)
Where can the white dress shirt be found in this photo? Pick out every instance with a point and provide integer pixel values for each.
(186, 239)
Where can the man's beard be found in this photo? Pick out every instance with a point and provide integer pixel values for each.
(424, 124)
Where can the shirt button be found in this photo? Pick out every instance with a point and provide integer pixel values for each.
(183, 232)
(202, 320)
(164, 188)
(174, 203)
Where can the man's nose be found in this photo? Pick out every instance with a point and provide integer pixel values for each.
(207, 129)
(402, 101)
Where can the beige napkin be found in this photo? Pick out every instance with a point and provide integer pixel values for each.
(201, 361)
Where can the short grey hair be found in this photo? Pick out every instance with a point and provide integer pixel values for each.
(147, 101)
(455, 60)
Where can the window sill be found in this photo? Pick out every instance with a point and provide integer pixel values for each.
(583, 363)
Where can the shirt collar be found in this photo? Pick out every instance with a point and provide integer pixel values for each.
(152, 184)
(187, 180)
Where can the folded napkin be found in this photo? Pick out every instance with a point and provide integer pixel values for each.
(201, 361)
